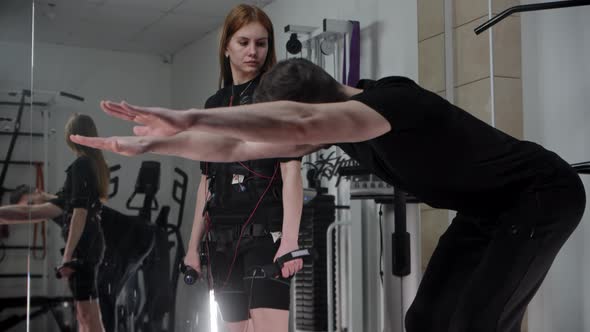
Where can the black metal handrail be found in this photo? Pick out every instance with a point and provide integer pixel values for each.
(528, 8)
(582, 168)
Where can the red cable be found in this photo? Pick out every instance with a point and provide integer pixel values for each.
(251, 171)
(231, 99)
(209, 274)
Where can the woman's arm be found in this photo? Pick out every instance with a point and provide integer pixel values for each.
(292, 209)
(77, 224)
(198, 229)
(24, 214)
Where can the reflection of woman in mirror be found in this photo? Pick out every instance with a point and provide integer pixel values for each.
(79, 203)
(253, 207)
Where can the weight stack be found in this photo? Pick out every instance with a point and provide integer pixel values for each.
(311, 312)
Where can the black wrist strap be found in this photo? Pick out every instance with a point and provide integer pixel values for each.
(274, 269)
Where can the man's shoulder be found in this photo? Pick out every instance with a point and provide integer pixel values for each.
(393, 80)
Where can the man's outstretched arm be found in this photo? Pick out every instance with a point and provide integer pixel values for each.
(283, 122)
(24, 214)
(204, 146)
(194, 145)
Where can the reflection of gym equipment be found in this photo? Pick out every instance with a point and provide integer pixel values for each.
(122, 258)
(25, 101)
(55, 305)
(146, 295)
(15, 133)
(148, 184)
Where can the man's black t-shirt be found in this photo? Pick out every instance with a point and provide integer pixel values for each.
(441, 154)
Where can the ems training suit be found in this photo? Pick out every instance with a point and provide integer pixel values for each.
(238, 280)
(80, 191)
(516, 202)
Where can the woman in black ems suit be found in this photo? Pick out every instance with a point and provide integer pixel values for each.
(76, 208)
(251, 209)
(81, 199)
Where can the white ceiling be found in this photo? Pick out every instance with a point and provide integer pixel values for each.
(145, 26)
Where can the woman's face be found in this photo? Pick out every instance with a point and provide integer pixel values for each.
(247, 50)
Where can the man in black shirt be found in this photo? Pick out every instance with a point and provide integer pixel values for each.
(516, 202)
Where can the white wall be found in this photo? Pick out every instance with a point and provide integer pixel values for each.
(556, 71)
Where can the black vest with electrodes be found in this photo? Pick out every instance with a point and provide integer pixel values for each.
(239, 188)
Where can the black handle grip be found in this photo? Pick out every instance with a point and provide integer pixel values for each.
(190, 275)
(401, 260)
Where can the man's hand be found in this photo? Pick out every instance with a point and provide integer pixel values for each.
(154, 121)
(124, 145)
(290, 267)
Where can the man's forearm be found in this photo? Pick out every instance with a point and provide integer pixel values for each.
(20, 214)
(278, 122)
(205, 146)
(14, 213)
(194, 146)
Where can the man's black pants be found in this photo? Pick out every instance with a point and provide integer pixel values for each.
(485, 271)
